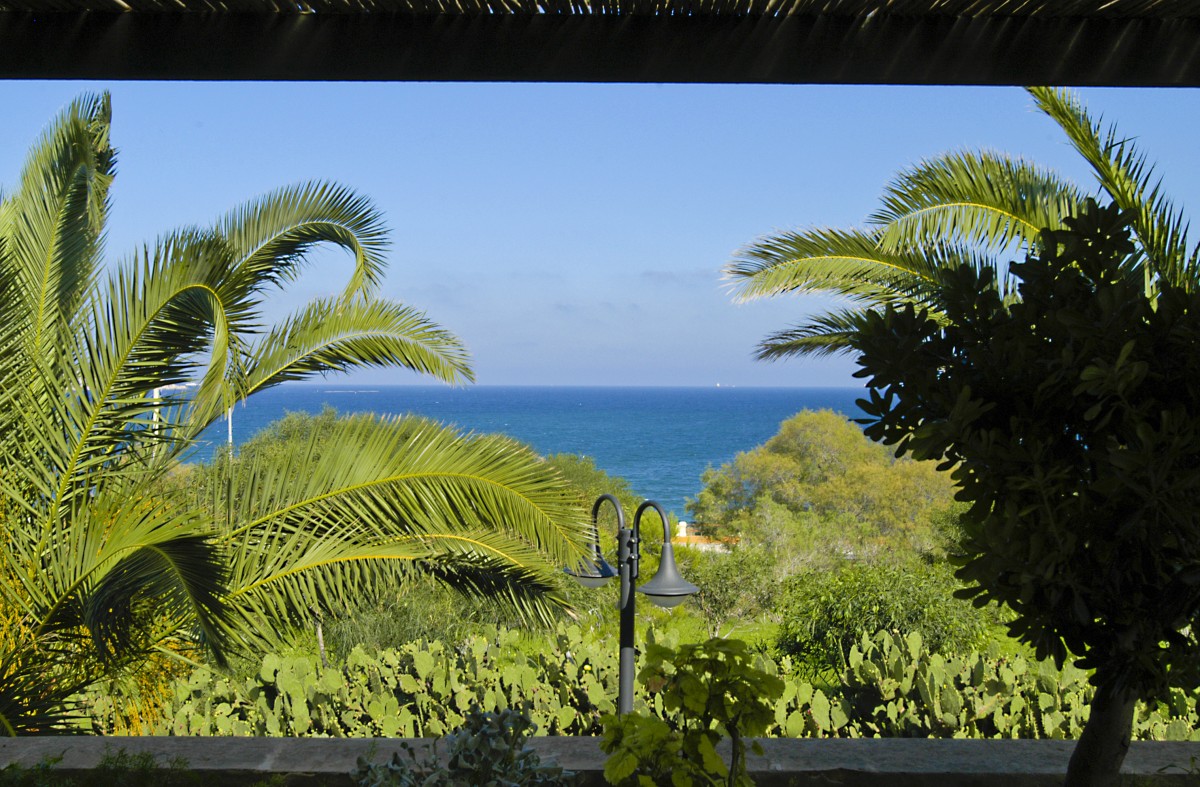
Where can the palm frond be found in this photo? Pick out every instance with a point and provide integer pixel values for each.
(841, 262)
(101, 560)
(1125, 175)
(54, 222)
(825, 334)
(333, 335)
(272, 234)
(35, 697)
(978, 199)
(378, 499)
(112, 549)
(144, 332)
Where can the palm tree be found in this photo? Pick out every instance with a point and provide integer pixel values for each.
(102, 563)
(964, 208)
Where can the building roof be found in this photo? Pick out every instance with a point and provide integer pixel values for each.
(1070, 42)
(1057, 9)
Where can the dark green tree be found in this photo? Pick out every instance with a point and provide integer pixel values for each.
(1071, 419)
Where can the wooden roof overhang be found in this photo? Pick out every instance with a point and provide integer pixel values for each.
(977, 42)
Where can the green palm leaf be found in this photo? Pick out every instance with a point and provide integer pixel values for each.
(334, 335)
(825, 334)
(54, 221)
(378, 500)
(979, 209)
(34, 697)
(143, 331)
(977, 199)
(118, 548)
(1124, 173)
(272, 234)
(842, 262)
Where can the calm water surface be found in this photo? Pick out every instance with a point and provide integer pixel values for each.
(661, 439)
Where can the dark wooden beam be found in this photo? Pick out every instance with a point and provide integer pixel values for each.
(567, 48)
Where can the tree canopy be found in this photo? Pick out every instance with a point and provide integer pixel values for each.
(819, 490)
(1068, 418)
(963, 209)
(102, 563)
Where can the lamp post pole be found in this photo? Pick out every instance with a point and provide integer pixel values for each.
(628, 556)
(666, 589)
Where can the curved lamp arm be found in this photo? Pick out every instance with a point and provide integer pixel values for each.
(597, 571)
(668, 588)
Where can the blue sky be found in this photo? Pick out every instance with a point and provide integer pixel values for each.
(574, 234)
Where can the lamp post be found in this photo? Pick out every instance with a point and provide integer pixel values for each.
(666, 589)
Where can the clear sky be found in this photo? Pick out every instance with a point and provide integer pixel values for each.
(574, 234)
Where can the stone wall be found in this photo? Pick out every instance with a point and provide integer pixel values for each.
(797, 763)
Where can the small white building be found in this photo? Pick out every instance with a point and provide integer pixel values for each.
(702, 543)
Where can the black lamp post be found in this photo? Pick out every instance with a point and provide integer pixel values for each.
(666, 589)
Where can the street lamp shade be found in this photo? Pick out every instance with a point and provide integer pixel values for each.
(593, 573)
(668, 588)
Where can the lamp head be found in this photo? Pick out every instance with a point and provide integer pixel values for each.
(592, 573)
(668, 589)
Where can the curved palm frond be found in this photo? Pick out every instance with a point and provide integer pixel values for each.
(35, 698)
(271, 235)
(377, 500)
(964, 208)
(978, 199)
(840, 262)
(1125, 175)
(116, 554)
(54, 221)
(825, 334)
(143, 331)
(333, 335)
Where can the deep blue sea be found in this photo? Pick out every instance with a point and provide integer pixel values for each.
(661, 439)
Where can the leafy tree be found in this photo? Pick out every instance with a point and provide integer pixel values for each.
(825, 613)
(101, 564)
(967, 209)
(735, 586)
(820, 491)
(1069, 417)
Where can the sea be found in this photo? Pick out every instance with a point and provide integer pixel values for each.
(661, 439)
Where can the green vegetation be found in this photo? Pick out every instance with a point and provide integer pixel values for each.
(972, 210)
(110, 567)
(704, 692)
(825, 613)
(566, 681)
(488, 750)
(819, 492)
(1068, 420)
(365, 576)
(829, 534)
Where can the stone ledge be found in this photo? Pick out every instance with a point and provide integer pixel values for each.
(799, 763)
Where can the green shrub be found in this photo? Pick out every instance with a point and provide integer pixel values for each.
(735, 586)
(896, 687)
(702, 693)
(891, 686)
(824, 613)
(114, 768)
(488, 750)
(422, 689)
